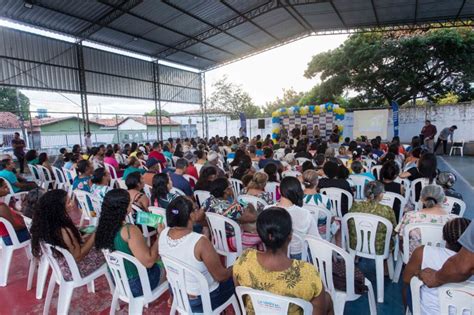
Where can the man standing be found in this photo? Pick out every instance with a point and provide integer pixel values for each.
(428, 132)
(88, 140)
(295, 133)
(443, 137)
(18, 150)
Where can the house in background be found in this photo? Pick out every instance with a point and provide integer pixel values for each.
(9, 124)
(191, 122)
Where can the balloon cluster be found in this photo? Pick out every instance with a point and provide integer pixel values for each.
(303, 111)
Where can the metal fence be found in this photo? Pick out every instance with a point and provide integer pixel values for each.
(65, 129)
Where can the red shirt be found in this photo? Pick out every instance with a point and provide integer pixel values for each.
(158, 156)
(191, 170)
(16, 217)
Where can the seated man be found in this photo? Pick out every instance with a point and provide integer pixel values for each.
(178, 179)
(17, 182)
(268, 158)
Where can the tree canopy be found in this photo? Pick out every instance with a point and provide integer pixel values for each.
(8, 102)
(231, 98)
(153, 113)
(290, 98)
(386, 67)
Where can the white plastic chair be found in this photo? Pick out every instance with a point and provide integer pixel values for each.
(301, 160)
(344, 161)
(290, 173)
(375, 170)
(217, 225)
(454, 298)
(69, 175)
(43, 268)
(90, 207)
(406, 183)
(359, 182)
(113, 174)
(256, 201)
(264, 302)
(322, 253)
(417, 185)
(47, 180)
(60, 181)
(273, 188)
(7, 251)
(451, 202)
(201, 197)
(147, 190)
(145, 229)
(457, 146)
(176, 273)
(298, 246)
(116, 263)
(121, 184)
(36, 174)
(160, 211)
(389, 199)
(431, 235)
(237, 186)
(369, 163)
(66, 288)
(17, 196)
(321, 212)
(191, 179)
(366, 228)
(335, 197)
(177, 191)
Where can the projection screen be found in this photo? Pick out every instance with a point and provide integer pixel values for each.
(371, 123)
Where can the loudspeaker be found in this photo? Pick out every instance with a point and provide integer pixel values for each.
(261, 124)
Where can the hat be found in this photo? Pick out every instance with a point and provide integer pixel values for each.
(151, 162)
(212, 156)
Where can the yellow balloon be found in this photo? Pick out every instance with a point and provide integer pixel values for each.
(341, 127)
(304, 110)
(276, 130)
(275, 114)
(317, 109)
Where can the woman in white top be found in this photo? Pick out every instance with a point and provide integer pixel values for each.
(303, 222)
(178, 241)
(433, 257)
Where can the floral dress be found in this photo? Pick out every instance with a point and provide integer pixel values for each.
(264, 195)
(420, 217)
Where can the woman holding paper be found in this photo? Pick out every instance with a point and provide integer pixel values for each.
(114, 233)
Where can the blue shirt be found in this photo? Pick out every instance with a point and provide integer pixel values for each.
(181, 183)
(259, 152)
(130, 170)
(81, 183)
(11, 178)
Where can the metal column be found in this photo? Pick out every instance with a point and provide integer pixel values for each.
(83, 87)
(157, 96)
(204, 106)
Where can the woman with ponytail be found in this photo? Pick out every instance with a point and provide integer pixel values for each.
(432, 197)
(256, 187)
(374, 193)
(114, 234)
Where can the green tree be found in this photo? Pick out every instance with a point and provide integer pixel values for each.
(396, 66)
(8, 102)
(290, 98)
(231, 98)
(153, 113)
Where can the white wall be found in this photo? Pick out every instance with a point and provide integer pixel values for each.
(411, 121)
(131, 124)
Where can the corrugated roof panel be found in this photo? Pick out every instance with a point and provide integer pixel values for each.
(279, 23)
(111, 37)
(164, 36)
(207, 51)
(108, 85)
(156, 11)
(212, 11)
(355, 12)
(91, 10)
(132, 25)
(321, 16)
(244, 6)
(148, 48)
(188, 60)
(390, 11)
(174, 76)
(468, 9)
(433, 9)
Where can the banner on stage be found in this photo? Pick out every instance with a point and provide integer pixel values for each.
(395, 118)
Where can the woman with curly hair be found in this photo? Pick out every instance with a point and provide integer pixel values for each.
(208, 175)
(160, 192)
(53, 225)
(114, 234)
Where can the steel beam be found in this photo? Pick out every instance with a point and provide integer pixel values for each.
(460, 9)
(83, 87)
(375, 12)
(157, 24)
(249, 20)
(339, 14)
(297, 16)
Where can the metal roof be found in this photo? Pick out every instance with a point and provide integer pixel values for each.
(207, 33)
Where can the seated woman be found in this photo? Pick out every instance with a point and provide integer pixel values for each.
(388, 174)
(256, 188)
(358, 169)
(29, 202)
(374, 193)
(134, 166)
(135, 186)
(274, 272)
(12, 216)
(244, 168)
(112, 160)
(271, 169)
(160, 191)
(303, 221)
(201, 156)
(83, 179)
(434, 257)
(178, 241)
(31, 157)
(208, 174)
(333, 173)
(311, 195)
(222, 202)
(43, 160)
(53, 225)
(432, 197)
(100, 183)
(447, 180)
(116, 235)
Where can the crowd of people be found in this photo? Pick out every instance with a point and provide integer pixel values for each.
(299, 167)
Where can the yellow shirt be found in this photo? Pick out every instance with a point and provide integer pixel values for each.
(301, 280)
